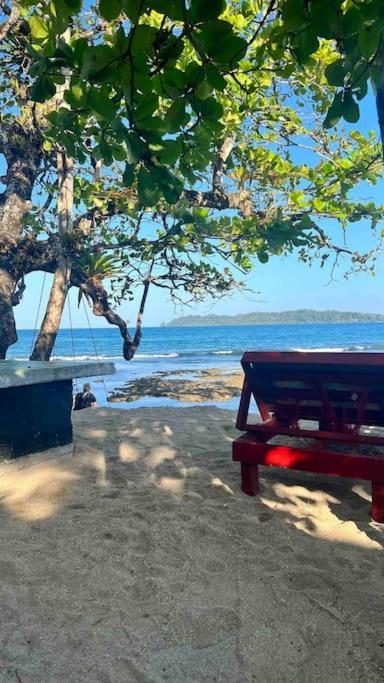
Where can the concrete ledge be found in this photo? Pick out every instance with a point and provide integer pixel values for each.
(16, 373)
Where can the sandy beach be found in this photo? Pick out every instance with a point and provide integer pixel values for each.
(139, 560)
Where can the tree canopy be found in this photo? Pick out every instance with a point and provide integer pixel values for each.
(170, 143)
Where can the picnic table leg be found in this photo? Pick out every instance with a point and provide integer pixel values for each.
(377, 510)
(249, 479)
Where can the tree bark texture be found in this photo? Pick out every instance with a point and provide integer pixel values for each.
(49, 328)
(61, 282)
(8, 334)
(22, 151)
(46, 338)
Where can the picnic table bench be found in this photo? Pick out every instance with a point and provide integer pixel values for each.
(342, 392)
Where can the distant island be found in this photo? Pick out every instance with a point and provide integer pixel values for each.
(305, 315)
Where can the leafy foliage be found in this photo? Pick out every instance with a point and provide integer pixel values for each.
(204, 135)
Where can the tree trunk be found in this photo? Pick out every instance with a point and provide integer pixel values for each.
(22, 151)
(8, 334)
(46, 338)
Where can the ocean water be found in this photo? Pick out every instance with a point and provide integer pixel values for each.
(197, 348)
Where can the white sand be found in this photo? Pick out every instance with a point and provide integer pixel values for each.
(140, 560)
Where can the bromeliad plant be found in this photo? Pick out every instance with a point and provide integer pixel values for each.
(181, 140)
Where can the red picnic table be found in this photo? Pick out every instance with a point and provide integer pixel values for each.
(343, 393)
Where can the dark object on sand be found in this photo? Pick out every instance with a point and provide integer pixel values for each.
(343, 393)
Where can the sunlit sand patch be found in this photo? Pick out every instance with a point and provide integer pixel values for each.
(360, 491)
(311, 514)
(217, 483)
(94, 460)
(128, 453)
(159, 455)
(98, 433)
(170, 485)
(37, 492)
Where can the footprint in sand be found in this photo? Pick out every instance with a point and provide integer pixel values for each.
(112, 494)
(204, 628)
(117, 535)
(145, 590)
(312, 579)
(76, 506)
(144, 542)
(264, 516)
(8, 571)
(213, 566)
(341, 561)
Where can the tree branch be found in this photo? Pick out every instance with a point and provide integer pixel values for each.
(13, 18)
(219, 166)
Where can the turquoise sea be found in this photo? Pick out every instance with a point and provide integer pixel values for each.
(196, 348)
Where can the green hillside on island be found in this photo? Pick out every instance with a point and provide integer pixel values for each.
(304, 315)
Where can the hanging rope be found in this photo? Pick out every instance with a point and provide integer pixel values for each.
(96, 352)
(38, 312)
(72, 339)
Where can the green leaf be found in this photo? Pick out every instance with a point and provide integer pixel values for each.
(134, 148)
(94, 60)
(74, 95)
(147, 190)
(205, 10)
(263, 257)
(132, 9)
(215, 79)
(335, 72)
(171, 151)
(171, 8)
(110, 9)
(323, 15)
(175, 115)
(351, 111)
(129, 175)
(305, 44)
(203, 90)
(369, 41)
(335, 112)
(79, 47)
(293, 15)
(351, 21)
(146, 106)
(220, 43)
(144, 40)
(73, 6)
(173, 82)
(105, 152)
(170, 50)
(319, 205)
(99, 102)
(209, 108)
(39, 29)
(170, 186)
(43, 89)
(119, 153)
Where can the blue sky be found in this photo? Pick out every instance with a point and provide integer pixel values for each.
(282, 284)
